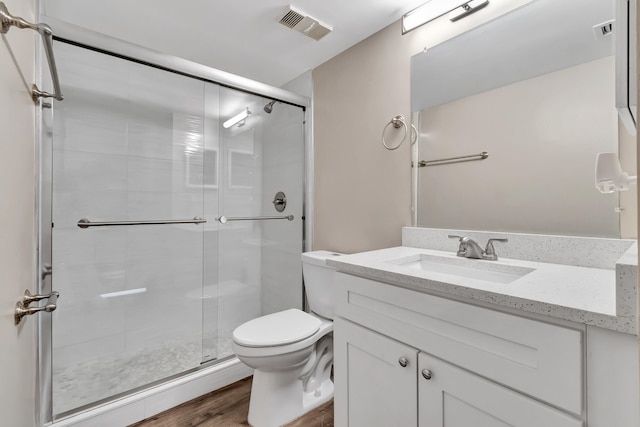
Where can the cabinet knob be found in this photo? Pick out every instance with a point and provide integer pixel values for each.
(426, 374)
(403, 362)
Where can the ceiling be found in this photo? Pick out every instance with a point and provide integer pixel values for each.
(242, 37)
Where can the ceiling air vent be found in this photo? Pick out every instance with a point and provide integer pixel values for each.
(304, 24)
(291, 18)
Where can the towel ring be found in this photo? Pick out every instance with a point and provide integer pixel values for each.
(397, 122)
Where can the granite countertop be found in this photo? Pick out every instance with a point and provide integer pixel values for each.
(603, 297)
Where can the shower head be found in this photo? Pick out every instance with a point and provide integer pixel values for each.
(269, 107)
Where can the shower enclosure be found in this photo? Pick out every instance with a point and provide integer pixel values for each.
(176, 213)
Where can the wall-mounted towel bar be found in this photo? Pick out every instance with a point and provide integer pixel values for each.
(85, 223)
(7, 20)
(449, 160)
(224, 219)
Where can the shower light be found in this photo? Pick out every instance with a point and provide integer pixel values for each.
(609, 174)
(436, 8)
(237, 118)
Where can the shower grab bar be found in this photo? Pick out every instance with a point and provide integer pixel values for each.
(224, 219)
(7, 20)
(85, 223)
(448, 160)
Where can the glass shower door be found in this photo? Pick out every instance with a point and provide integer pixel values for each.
(142, 303)
(128, 145)
(259, 269)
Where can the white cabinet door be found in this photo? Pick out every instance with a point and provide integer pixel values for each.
(453, 397)
(373, 388)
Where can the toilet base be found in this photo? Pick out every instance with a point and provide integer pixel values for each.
(278, 398)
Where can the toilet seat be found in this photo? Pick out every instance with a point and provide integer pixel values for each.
(325, 327)
(277, 329)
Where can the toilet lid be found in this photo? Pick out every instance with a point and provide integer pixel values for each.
(284, 327)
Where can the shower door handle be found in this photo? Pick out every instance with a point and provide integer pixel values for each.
(85, 223)
(23, 309)
(224, 219)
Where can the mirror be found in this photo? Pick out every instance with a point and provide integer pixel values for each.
(535, 89)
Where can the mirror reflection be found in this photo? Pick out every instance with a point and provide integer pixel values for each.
(535, 90)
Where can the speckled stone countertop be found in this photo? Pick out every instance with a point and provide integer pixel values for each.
(603, 293)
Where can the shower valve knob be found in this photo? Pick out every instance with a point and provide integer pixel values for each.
(280, 201)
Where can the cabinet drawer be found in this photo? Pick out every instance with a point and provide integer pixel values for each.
(536, 358)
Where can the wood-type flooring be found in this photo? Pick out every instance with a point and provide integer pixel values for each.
(228, 407)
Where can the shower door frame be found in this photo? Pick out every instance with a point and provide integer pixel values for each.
(67, 33)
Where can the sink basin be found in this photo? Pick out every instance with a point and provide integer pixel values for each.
(463, 267)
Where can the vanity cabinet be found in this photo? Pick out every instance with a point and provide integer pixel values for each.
(486, 368)
(391, 384)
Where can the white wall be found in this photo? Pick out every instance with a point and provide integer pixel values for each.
(17, 218)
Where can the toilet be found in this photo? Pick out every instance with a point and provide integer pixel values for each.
(291, 351)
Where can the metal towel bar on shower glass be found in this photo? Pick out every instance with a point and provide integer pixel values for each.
(85, 223)
(224, 219)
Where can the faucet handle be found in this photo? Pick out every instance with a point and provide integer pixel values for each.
(490, 251)
(465, 242)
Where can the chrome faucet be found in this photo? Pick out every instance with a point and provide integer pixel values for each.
(469, 248)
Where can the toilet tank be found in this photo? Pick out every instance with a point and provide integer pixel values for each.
(319, 282)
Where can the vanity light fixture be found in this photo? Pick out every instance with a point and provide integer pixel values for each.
(436, 8)
(237, 119)
(609, 174)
